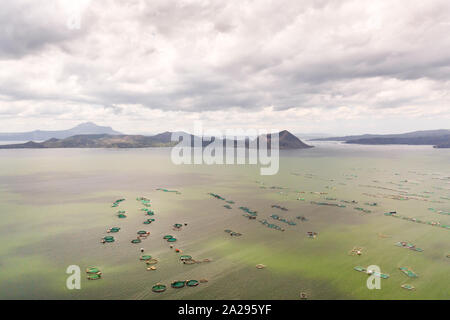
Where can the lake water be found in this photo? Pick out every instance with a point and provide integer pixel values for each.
(55, 206)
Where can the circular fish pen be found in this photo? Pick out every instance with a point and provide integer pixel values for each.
(178, 284)
(93, 270)
(108, 239)
(94, 276)
(159, 288)
(192, 283)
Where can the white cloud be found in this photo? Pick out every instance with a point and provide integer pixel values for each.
(302, 65)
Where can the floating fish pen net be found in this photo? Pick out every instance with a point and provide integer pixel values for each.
(170, 191)
(271, 225)
(216, 196)
(408, 272)
(248, 211)
(360, 269)
(159, 288)
(363, 210)
(328, 204)
(407, 287)
(192, 283)
(232, 233)
(280, 207)
(93, 270)
(108, 239)
(431, 223)
(117, 202)
(371, 272)
(178, 284)
(94, 276)
(371, 204)
(349, 202)
(407, 245)
(276, 217)
(380, 275)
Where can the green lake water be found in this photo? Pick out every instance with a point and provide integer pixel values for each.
(55, 206)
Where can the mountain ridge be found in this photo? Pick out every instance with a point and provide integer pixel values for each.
(42, 135)
(286, 141)
(437, 138)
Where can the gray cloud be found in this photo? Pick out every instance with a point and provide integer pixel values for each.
(201, 56)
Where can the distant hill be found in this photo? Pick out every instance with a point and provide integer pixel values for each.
(93, 141)
(286, 141)
(438, 138)
(415, 134)
(40, 135)
(443, 145)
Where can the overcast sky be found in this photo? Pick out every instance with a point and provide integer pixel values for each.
(326, 66)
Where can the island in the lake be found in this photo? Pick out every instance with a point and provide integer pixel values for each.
(114, 139)
(436, 138)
